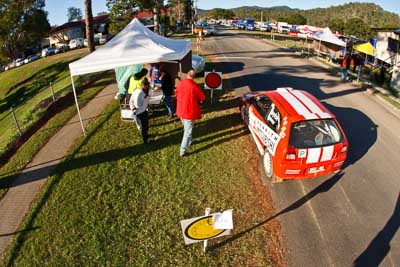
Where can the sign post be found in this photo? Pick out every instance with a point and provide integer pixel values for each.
(213, 81)
(207, 212)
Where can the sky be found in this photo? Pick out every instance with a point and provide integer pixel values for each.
(58, 9)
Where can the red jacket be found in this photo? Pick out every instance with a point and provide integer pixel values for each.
(188, 97)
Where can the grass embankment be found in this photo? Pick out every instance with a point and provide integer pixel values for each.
(27, 89)
(118, 202)
(91, 85)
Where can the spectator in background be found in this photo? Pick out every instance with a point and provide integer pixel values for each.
(154, 73)
(134, 82)
(139, 102)
(345, 66)
(167, 87)
(188, 98)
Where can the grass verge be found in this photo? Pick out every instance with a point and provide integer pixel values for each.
(28, 150)
(27, 90)
(117, 202)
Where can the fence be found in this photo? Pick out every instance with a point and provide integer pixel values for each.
(15, 121)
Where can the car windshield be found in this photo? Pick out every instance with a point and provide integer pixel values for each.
(315, 133)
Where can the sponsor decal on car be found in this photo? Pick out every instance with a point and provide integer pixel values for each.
(267, 136)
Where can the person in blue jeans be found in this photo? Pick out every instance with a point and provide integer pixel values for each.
(167, 87)
(189, 96)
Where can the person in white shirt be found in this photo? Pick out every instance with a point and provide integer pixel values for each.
(138, 103)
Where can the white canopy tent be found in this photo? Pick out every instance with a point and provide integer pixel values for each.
(134, 45)
(326, 35)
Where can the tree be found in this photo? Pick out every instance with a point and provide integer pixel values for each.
(177, 9)
(296, 19)
(89, 25)
(336, 25)
(220, 13)
(22, 25)
(357, 27)
(74, 14)
(122, 11)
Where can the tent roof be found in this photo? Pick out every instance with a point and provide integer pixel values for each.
(366, 48)
(326, 35)
(135, 44)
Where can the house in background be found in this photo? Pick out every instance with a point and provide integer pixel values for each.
(387, 50)
(76, 29)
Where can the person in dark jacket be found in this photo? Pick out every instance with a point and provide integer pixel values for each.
(167, 87)
(188, 99)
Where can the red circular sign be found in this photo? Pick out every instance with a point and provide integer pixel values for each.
(213, 80)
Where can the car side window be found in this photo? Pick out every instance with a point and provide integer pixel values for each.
(263, 105)
(273, 118)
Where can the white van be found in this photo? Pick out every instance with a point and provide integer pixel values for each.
(76, 43)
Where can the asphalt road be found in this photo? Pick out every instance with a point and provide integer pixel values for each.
(352, 218)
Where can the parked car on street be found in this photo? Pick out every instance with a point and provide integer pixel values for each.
(298, 136)
(265, 27)
(96, 41)
(10, 65)
(76, 43)
(209, 30)
(105, 38)
(198, 64)
(31, 58)
(62, 48)
(48, 51)
(19, 62)
(250, 27)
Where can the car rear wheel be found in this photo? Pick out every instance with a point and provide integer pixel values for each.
(267, 165)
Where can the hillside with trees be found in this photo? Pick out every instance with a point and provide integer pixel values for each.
(349, 19)
(370, 13)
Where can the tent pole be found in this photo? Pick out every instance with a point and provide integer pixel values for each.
(319, 47)
(180, 69)
(77, 105)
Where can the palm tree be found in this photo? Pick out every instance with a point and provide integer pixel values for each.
(89, 25)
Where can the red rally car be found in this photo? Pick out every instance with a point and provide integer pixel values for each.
(297, 136)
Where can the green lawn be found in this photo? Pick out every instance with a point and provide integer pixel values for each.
(117, 202)
(67, 110)
(26, 88)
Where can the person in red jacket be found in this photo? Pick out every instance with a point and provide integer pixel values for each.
(188, 99)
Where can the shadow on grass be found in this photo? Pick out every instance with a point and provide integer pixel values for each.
(21, 231)
(322, 188)
(219, 126)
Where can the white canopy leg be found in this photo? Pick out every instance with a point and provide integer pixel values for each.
(77, 105)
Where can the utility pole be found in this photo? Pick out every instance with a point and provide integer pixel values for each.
(261, 16)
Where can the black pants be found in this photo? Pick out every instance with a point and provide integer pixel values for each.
(144, 121)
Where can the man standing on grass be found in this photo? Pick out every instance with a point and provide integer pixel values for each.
(138, 103)
(188, 98)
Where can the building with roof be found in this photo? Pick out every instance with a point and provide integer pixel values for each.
(76, 29)
(388, 50)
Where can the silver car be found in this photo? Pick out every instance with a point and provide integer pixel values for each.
(198, 64)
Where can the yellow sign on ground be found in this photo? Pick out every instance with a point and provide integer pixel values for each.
(202, 228)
